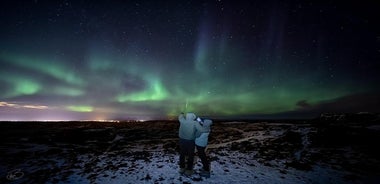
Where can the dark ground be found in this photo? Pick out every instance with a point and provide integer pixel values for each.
(347, 143)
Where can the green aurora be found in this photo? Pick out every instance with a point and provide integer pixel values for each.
(147, 69)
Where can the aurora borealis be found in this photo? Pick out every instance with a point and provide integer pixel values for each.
(84, 60)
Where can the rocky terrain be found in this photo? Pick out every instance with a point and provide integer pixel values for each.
(331, 149)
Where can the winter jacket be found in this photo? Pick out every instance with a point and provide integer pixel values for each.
(186, 127)
(202, 132)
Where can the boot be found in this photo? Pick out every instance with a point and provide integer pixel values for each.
(205, 173)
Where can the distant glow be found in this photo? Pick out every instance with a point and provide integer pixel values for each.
(102, 120)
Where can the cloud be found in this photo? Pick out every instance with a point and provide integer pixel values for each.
(360, 102)
(303, 104)
(18, 106)
(368, 102)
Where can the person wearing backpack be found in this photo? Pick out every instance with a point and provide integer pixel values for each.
(186, 143)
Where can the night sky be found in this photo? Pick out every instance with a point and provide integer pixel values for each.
(92, 60)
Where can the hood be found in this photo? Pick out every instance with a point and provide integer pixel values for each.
(207, 122)
(190, 116)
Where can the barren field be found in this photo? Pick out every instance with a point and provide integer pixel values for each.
(147, 152)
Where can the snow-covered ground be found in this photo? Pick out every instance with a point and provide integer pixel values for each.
(147, 152)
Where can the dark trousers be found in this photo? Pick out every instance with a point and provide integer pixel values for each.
(186, 151)
(203, 157)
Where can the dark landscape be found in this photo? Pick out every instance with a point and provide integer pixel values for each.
(334, 148)
(90, 91)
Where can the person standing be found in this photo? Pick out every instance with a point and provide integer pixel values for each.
(186, 143)
(201, 141)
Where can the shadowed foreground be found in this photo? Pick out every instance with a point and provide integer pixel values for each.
(326, 150)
